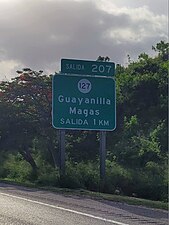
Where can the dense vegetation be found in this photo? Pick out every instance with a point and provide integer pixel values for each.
(136, 163)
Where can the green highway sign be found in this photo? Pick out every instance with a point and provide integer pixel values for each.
(84, 103)
(84, 67)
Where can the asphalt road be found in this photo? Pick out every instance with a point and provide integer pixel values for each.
(27, 206)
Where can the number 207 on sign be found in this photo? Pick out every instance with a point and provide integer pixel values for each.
(101, 68)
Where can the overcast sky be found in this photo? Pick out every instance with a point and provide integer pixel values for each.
(38, 33)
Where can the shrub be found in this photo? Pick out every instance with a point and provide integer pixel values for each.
(47, 175)
(89, 175)
(2, 169)
(151, 182)
(117, 178)
(81, 175)
(16, 168)
(71, 177)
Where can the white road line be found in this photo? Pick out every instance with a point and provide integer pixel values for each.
(65, 209)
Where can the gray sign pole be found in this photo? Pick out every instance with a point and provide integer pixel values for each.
(62, 151)
(102, 159)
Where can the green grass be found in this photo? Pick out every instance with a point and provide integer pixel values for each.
(95, 195)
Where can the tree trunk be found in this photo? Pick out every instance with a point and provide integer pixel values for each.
(53, 153)
(28, 157)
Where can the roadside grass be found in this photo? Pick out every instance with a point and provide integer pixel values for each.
(94, 195)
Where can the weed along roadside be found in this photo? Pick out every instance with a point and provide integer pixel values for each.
(92, 195)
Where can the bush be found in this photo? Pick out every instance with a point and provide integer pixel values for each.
(81, 175)
(89, 175)
(71, 177)
(118, 179)
(47, 175)
(17, 169)
(2, 169)
(151, 182)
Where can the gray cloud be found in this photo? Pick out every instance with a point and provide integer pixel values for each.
(156, 6)
(38, 33)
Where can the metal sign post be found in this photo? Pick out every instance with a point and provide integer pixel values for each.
(102, 159)
(62, 151)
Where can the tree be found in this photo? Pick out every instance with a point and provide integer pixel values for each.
(29, 96)
(142, 92)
